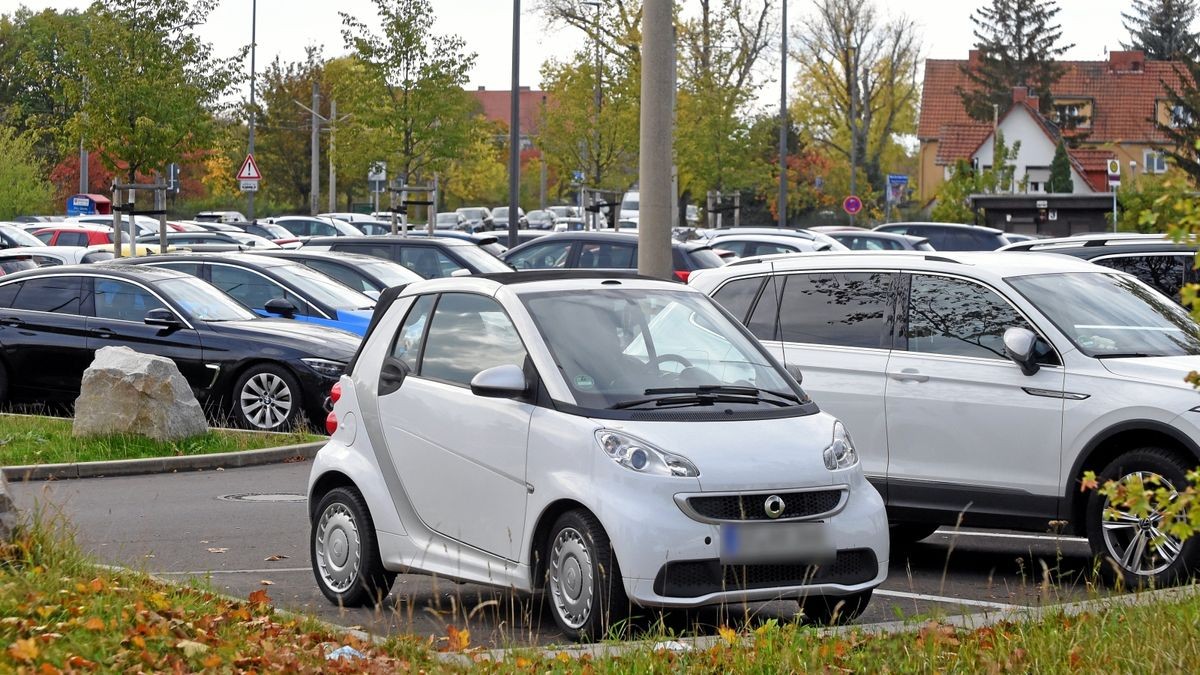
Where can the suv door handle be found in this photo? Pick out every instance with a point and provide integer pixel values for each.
(909, 375)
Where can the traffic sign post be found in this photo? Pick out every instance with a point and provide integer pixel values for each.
(852, 205)
(248, 176)
(1114, 182)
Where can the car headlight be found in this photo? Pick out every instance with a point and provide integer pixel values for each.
(326, 367)
(841, 453)
(638, 455)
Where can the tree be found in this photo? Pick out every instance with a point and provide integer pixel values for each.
(422, 119)
(283, 146)
(1060, 172)
(146, 88)
(480, 174)
(965, 180)
(617, 31)
(1183, 129)
(23, 188)
(1162, 29)
(1018, 44)
(851, 55)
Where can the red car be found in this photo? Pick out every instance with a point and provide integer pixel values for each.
(73, 236)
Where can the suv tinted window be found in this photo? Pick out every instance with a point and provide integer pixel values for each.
(737, 296)
(845, 309)
(123, 301)
(469, 334)
(1167, 273)
(597, 255)
(428, 261)
(410, 339)
(57, 294)
(542, 256)
(343, 274)
(956, 317)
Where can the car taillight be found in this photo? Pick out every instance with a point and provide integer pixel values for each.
(331, 423)
(335, 392)
(683, 275)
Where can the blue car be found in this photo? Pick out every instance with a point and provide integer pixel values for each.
(274, 287)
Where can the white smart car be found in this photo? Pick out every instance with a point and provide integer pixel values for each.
(611, 439)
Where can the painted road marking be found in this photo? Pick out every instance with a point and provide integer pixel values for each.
(257, 571)
(945, 599)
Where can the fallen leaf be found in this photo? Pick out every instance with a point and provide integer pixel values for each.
(23, 650)
(259, 597)
(49, 669)
(191, 648)
(563, 657)
(728, 634)
(218, 550)
(76, 661)
(523, 663)
(96, 585)
(457, 640)
(267, 582)
(94, 623)
(212, 661)
(276, 557)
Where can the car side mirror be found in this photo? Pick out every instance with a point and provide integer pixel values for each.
(795, 372)
(507, 381)
(280, 307)
(163, 318)
(463, 272)
(1020, 345)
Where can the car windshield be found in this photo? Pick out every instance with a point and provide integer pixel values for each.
(388, 272)
(623, 349)
(277, 231)
(1112, 315)
(203, 301)
(252, 240)
(21, 237)
(474, 214)
(346, 229)
(481, 260)
(322, 288)
(447, 219)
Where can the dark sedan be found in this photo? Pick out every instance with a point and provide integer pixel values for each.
(604, 250)
(430, 257)
(364, 273)
(266, 372)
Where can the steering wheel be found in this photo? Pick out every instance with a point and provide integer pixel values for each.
(662, 358)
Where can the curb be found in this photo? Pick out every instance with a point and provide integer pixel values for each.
(137, 467)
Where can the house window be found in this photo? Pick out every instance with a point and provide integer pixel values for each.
(1154, 161)
(1073, 114)
(1181, 116)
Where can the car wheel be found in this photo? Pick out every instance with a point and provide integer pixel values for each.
(1136, 551)
(583, 582)
(345, 552)
(266, 397)
(904, 535)
(834, 610)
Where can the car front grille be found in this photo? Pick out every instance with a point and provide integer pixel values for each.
(806, 504)
(694, 578)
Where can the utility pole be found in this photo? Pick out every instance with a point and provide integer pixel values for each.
(253, 110)
(514, 131)
(315, 172)
(333, 118)
(783, 124)
(657, 132)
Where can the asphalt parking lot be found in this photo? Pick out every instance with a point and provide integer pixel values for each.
(243, 528)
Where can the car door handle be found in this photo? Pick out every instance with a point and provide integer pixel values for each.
(909, 375)
(12, 321)
(101, 332)
(392, 375)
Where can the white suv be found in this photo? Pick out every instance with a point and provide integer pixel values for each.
(984, 385)
(603, 438)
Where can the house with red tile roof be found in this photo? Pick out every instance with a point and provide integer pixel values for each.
(494, 105)
(1113, 109)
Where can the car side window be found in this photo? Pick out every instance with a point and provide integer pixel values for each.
(252, 289)
(955, 317)
(8, 293)
(738, 248)
(764, 321)
(606, 256)
(46, 261)
(72, 239)
(356, 281)
(322, 230)
(761, 248)
(737, 296)
(852, 309)
(1167, 273)
(469, 334)
(60, 295)
(410, 338)
(542, 256)
(122, 301)
(428, 262)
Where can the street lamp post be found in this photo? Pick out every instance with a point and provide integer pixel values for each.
(783, 123)
(853, 63)
(253, 110)
(596, 103)
(514, 130)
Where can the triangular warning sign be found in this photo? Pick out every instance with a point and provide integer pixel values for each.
(249, 170)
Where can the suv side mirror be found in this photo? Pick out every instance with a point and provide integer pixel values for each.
(1019, 345)
(507, 381)
(280, 307)
(163, 318)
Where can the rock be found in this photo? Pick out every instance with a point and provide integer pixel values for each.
(125, 392)
(9, 517)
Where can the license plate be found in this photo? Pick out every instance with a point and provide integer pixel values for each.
(796, 543)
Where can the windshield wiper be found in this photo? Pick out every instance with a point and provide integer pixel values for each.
(1124, 355)
(707, 395)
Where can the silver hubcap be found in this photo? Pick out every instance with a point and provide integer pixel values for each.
(571, 575)
(1140, 545)
(266, 400)
(338, 548)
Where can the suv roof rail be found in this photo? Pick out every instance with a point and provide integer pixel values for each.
(942, 259)
(1097, 239)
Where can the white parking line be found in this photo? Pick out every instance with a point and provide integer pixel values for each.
(264, 570)
(1002, 535)
(945, 599)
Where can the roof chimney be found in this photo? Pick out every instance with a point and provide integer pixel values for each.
(1020, 95)
(974, 57)
(1126, 62)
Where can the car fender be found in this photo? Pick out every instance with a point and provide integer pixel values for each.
(1100, 430)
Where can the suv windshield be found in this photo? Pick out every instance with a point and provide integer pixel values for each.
(1112, 315)
(627, 349)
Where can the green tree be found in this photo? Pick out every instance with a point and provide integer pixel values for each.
(1060, 172)
(423, 117)
(1018, 43)
(1162, 29)
(24, 189)
(857, 89)
(1183, 131)
(283, 146)
(953, 202)
(146, 88)
(480, 174)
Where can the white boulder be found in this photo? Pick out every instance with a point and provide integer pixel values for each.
(9, 518)
(126, 392)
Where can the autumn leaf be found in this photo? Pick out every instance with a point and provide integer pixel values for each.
(457, 640)
(1076, 656)
(96, 585)
(275, 558)
(23, 650)
(191, 648)
(94, 623)
(49, 669)
(563, 657)
(267, 582)
(212, 661)
(523, 663)
(260, 597)
(728, 634)
(77, 662)
(1088, 482)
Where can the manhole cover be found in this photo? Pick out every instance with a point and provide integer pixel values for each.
(264, 497)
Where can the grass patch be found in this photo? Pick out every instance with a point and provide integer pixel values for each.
(61, 612)
(48, 440)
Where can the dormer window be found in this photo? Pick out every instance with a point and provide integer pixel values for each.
(1073, 114)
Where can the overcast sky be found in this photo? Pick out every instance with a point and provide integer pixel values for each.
(286, 27)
